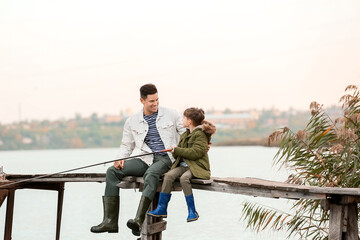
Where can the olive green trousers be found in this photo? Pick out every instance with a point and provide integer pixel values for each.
(185, 175)
(136, 167)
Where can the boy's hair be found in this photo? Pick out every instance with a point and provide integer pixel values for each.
(147, 89)
(196, 115)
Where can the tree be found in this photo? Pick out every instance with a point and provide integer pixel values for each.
(325, 153)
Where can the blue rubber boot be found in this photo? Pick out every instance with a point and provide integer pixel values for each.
(193, 215)
(161, 210)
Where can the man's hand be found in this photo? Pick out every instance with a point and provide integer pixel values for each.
(119, 164)
(209, 147)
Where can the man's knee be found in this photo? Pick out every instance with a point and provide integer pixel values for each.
(112, 172)
(150, 174)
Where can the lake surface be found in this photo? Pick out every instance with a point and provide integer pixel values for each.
(220, 213)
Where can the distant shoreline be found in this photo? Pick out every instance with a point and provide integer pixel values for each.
(247, 142)
(237, 142)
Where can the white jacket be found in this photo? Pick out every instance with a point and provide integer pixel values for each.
(169, 125)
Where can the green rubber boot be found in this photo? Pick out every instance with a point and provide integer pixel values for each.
(111, 216)
(136, 223)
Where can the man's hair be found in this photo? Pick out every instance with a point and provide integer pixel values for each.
(196, 115)
(147, 89)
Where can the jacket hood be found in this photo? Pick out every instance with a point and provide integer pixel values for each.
(208, 127)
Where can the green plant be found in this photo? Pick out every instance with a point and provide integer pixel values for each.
(325, 153)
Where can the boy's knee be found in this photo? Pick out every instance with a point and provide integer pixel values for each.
(184, 179)
(168, 177)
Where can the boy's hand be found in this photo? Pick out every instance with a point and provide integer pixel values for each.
(172, 149)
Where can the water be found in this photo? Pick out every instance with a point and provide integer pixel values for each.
(35, 210)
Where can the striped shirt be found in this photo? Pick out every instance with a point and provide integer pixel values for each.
(153, 139)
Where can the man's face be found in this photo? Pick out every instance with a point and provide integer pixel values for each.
(151, 104)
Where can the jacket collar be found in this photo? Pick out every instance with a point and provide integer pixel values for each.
(197, 128)
(188, 133)
(140, 114)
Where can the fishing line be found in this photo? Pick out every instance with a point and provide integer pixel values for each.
(79, 168)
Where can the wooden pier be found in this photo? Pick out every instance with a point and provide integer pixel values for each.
(341, 202)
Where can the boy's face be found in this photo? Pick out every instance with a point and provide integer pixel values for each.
(151, 104)
(186, 122)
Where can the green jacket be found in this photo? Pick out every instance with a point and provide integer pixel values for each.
(193, 149)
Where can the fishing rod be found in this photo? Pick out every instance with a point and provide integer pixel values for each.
(79, 168)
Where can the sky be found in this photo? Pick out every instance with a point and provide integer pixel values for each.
(61, 58)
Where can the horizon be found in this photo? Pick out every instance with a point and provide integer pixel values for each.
(131, 112)
(63, 58)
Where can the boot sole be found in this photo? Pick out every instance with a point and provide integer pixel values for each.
(153, 215)
(194, 219)
(134, 227)
(135, 233)
(108, 231)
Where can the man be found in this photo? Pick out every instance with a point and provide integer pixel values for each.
(153, 129)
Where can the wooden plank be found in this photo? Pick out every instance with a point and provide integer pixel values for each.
(6, 183)
(129, 179)
(67, 175)
(261, 183)
(260, 187)
(156, 227)
(54, 186)
(249, 182)
(99, 180)
(201, 181)
(235, 189)
(336, 222)
(71, 177)
(257, 192)
(86, 177)
(128, 185)
(63, 179)
(336, 190)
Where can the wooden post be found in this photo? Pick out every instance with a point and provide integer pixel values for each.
(59, 209)
(9, 214)
(148, 221)
(153, 227)
(343, 222)
(351, 227)
(336, 222)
